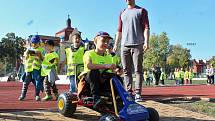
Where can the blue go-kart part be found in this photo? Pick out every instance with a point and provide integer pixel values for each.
(131, 110)
(117, 106)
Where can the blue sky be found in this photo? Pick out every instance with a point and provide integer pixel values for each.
(185, 21)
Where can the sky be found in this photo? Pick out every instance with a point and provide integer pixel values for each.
(190, 23)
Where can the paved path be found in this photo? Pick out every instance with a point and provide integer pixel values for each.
(167, 113)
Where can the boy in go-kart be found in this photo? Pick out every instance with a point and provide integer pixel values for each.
(96, 62)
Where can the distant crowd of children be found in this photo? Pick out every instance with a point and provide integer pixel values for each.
(158, 76)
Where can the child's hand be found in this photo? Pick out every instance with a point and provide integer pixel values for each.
(110, 66)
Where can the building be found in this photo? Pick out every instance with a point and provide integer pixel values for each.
(199, 67)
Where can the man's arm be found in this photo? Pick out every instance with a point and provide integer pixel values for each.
(146, 36)
(118, 34)
(117, 40)
(146, 28)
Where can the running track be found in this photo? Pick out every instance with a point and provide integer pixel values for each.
(10, 91)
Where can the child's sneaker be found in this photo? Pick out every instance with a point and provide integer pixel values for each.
(37, 98)
(138, 98)
(21, 98)
(47, 98)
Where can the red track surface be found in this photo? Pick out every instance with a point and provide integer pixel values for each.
(10, 91)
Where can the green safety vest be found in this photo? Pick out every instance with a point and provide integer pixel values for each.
(191, 75)
(177, 75)
(115, 59)
(47, 65)
(96, 59)
(186, 75)
(163, 76)
(73, 58)
(182, 74)
(34, 62)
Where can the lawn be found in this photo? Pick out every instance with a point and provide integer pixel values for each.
(172, 82)
(203, 107)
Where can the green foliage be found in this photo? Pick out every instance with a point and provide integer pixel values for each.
(158, 51)
(178, 56)
(212, 60)
(11, 48)
(2, 68)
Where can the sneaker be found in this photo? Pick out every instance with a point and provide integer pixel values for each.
(37, 98)
(47, 98)
(21, 98)
(138, 98)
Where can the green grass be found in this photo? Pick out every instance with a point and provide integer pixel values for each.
(172, 82)
(204, 107)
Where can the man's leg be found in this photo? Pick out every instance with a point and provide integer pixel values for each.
(212, 79)
(127, 64)
(25, 84)
(138, 61)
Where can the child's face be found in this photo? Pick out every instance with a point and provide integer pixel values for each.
(76, 40)
(102, 42)
(35, 45)
(48, 48)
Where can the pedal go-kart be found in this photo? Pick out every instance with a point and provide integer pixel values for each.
(118, 105)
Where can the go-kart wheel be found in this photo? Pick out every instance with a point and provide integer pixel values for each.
(153, 114)
(109, 117)
(66, 105)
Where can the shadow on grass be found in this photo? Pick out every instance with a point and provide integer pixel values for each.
(183, 119)
(171, 97)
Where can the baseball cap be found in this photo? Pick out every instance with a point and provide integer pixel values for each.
(103, 34)
(35, 39)
(50, 42)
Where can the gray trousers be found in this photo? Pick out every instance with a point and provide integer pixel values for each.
(132, 57)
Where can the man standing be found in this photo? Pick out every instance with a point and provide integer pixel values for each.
(133, 31)
(211, 74)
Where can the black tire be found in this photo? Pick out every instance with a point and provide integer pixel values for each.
(65, 105)
(153, 115)
(109, 117)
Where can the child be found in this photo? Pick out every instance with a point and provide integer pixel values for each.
(74, 56)
(146, 77)
(95, 62)
(162, 77)
(191, 75)
(33, 59)
(186, 77)
(49, 70)
(177, 76)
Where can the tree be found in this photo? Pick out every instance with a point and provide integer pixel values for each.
(212, 60)
(11, 48)
(178, 57)
(158, 51)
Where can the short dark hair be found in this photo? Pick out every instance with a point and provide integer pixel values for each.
(50, 42)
